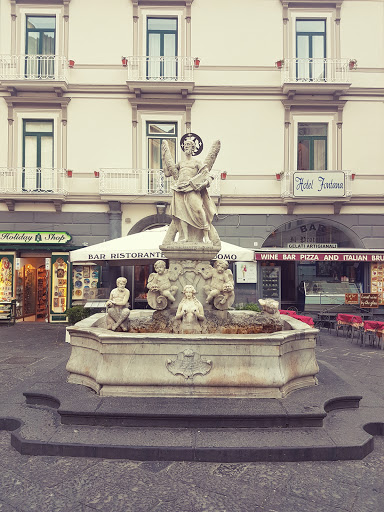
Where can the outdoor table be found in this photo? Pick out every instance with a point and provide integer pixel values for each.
(287, 312)
(375, 330)
(306, 319)
(352, 322)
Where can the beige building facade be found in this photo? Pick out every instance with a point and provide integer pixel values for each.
(293, 89)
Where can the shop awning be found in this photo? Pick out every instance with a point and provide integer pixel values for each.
(308, 256)
(145, 246)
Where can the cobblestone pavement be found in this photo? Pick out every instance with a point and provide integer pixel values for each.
(83, 485)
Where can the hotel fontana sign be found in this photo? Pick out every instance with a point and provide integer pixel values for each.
(319, 184)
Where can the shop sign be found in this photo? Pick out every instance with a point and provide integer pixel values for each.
(369, 300)
(34, 237)
(307, 245)
(304, 257)
(351, 298)
(319, 184)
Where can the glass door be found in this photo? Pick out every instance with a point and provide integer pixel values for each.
(38, 156)
(310, 50)
(40, 47)
(161, 49)
(156, 133)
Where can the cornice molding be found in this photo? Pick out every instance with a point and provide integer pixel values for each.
(311, 3)
(162, 3)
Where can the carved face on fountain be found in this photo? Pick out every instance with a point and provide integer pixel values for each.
(160, 267)
(121, 282)
(221, 266)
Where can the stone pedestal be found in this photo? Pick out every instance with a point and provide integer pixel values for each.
(187, 261)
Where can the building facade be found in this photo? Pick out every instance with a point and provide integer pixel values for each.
(293, 89)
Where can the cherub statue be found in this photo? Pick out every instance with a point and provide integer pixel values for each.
(190, 312)
(118, 307)
(192, 208)
(160, 288)
(221, 287)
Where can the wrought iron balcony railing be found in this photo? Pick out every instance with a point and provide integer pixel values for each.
(160, 69)
(32, 180)
(142, 182)
(33, 67)
(315, 71)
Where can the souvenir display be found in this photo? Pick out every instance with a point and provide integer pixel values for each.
(6, 275)
(59, 285)
(84, 278)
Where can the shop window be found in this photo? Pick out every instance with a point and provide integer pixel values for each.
(40, 45)
(312, 146)
(37, 173)
(161, 48)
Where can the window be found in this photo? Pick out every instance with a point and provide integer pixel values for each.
(310, 49)
(37, 155)
(312, 146)
(161, 48)
(156, 133)
(40, 46)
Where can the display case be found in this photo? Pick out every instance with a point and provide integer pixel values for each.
(85, 282)
(320, 292)
(271, 282)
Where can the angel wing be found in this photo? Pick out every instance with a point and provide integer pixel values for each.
(212, 155)
(169, 166)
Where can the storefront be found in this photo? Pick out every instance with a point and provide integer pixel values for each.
(313, 265)
(34, 269)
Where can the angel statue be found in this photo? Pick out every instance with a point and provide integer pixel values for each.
(192, 209)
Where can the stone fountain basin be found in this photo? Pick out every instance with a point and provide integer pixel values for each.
(193, 365)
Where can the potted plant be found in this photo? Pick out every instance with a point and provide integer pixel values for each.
(196, 62)
(71, 63)
(352, 64)
(223, 175)
(97, 174)
(69, 173)
(279, 63)
(124, 61)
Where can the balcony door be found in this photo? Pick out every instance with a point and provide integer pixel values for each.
(310, 50)
(37, 156)
(40, 47)
(156, 133)
(161, 49)
(312, 147)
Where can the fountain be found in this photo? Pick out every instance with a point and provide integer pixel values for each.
(192, 343)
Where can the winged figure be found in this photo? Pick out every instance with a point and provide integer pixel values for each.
(192, 209)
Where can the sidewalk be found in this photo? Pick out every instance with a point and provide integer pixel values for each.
(29, 351)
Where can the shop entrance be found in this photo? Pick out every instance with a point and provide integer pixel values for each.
(32, 290)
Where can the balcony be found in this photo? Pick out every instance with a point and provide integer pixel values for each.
(142, 182)
(315, 76)
(166, 74)
(34, 72)
(34, 182)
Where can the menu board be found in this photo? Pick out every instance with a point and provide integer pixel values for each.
(85, 282)
(351, 298)
(369, 300)
(377, 280)
(270, 282)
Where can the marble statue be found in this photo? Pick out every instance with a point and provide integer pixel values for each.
(160, 288)
(270, 306)
(117, 307)
(190, 312)
(220, 290)
(192, 208)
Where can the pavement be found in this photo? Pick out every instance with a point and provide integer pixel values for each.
(29, 352)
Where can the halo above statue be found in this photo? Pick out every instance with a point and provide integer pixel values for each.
(196, 141)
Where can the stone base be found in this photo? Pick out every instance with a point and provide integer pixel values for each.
(215, 365)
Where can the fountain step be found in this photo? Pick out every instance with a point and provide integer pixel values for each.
(341, 438)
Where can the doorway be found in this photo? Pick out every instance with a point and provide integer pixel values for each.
(32, 290)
